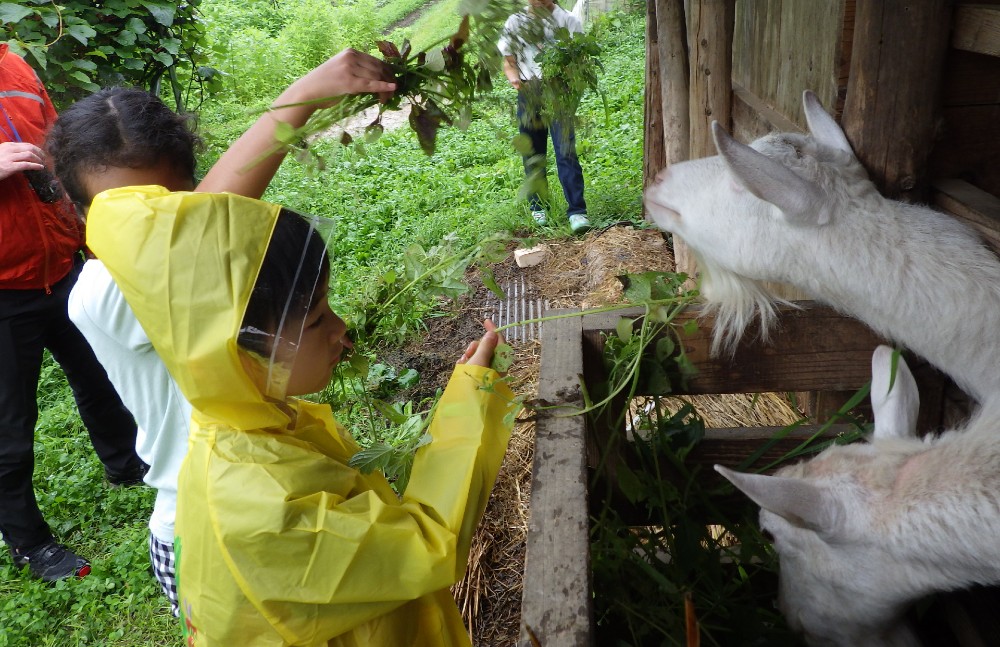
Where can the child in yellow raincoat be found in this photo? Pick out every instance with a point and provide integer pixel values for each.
(279, 541)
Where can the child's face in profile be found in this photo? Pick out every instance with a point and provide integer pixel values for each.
(324, 339)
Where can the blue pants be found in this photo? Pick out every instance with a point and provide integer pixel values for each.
(30, 321)
(567, 164)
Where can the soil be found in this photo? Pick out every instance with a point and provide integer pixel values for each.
(409, 19)
(447, 337)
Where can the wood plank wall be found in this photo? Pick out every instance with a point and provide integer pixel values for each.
(781, 48)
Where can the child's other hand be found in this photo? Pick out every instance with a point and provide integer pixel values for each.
(349, 72)
(480, 352)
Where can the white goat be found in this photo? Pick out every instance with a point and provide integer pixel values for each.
(800, 209)
(863, 530)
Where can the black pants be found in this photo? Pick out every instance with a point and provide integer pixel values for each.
(30, 321)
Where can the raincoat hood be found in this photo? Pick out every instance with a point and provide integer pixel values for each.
(187, 263)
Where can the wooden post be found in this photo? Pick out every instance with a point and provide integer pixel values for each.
(894, 88)
(710, 44)
(710, 38)
(653, 159)
(670, 27)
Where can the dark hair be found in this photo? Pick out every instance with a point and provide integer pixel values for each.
(290, 279)
(118, 127)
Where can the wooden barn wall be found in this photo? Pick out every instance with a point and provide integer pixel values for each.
(967, 140)
(780, 48)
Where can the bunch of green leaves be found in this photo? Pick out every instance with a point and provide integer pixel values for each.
(78, 47)
(570, 66)
(439, 83)
(645, 575)
(392, 308)
(630, 366)
(391, 449)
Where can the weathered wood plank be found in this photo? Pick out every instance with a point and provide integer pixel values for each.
(654, 154)
(782, 47)
(710, 43)
(977, 29)
(971, 204)
(896, 69)
(775, 119)
(556, 602)
(970, 147)
(814, 349)
(674, 74)
(710, 57)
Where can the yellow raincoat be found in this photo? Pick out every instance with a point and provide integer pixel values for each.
(279, 542)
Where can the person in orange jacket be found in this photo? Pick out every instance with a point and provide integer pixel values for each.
(279, 541)
(40, 242)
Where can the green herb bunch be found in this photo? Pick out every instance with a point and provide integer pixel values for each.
(570, 66)
(440, 83)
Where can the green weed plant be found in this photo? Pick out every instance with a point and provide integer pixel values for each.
(689, 543)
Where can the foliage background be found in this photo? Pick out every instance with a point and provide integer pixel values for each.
(385, 197)
(78, 47)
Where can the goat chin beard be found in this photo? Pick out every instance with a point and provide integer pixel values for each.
(736, 301)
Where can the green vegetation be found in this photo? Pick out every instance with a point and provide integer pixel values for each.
(687, 547)
(77, 47)
(401, 219)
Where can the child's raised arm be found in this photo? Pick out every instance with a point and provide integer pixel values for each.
(349, 72)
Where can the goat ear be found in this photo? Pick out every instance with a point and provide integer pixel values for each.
(800, 200)
(822, 125)
(798, 501)
(895, 399)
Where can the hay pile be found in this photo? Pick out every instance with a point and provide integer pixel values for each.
(579, 272)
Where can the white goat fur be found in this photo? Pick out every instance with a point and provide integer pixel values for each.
(800, 209)
(863, 530)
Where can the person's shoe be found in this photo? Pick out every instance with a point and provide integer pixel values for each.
(51, 561)
(579, 223)
(540, 217)
(126, 479)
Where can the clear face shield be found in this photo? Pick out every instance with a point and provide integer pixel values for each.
(291, 337)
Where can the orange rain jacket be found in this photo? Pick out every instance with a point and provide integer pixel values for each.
(37, 240)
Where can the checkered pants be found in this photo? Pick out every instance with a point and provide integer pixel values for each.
(162, 556)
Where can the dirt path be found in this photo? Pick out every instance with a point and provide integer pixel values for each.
(409, 19)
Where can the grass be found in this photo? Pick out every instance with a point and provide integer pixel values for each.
(384, 198)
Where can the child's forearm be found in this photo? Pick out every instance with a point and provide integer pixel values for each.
(511, 72)
(242, 170)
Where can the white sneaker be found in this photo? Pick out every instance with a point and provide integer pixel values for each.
(579, 223)
(540, 217)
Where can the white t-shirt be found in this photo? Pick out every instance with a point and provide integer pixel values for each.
(161, 412)
(516, 38)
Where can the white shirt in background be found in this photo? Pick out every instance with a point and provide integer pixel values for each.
(514, 39)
